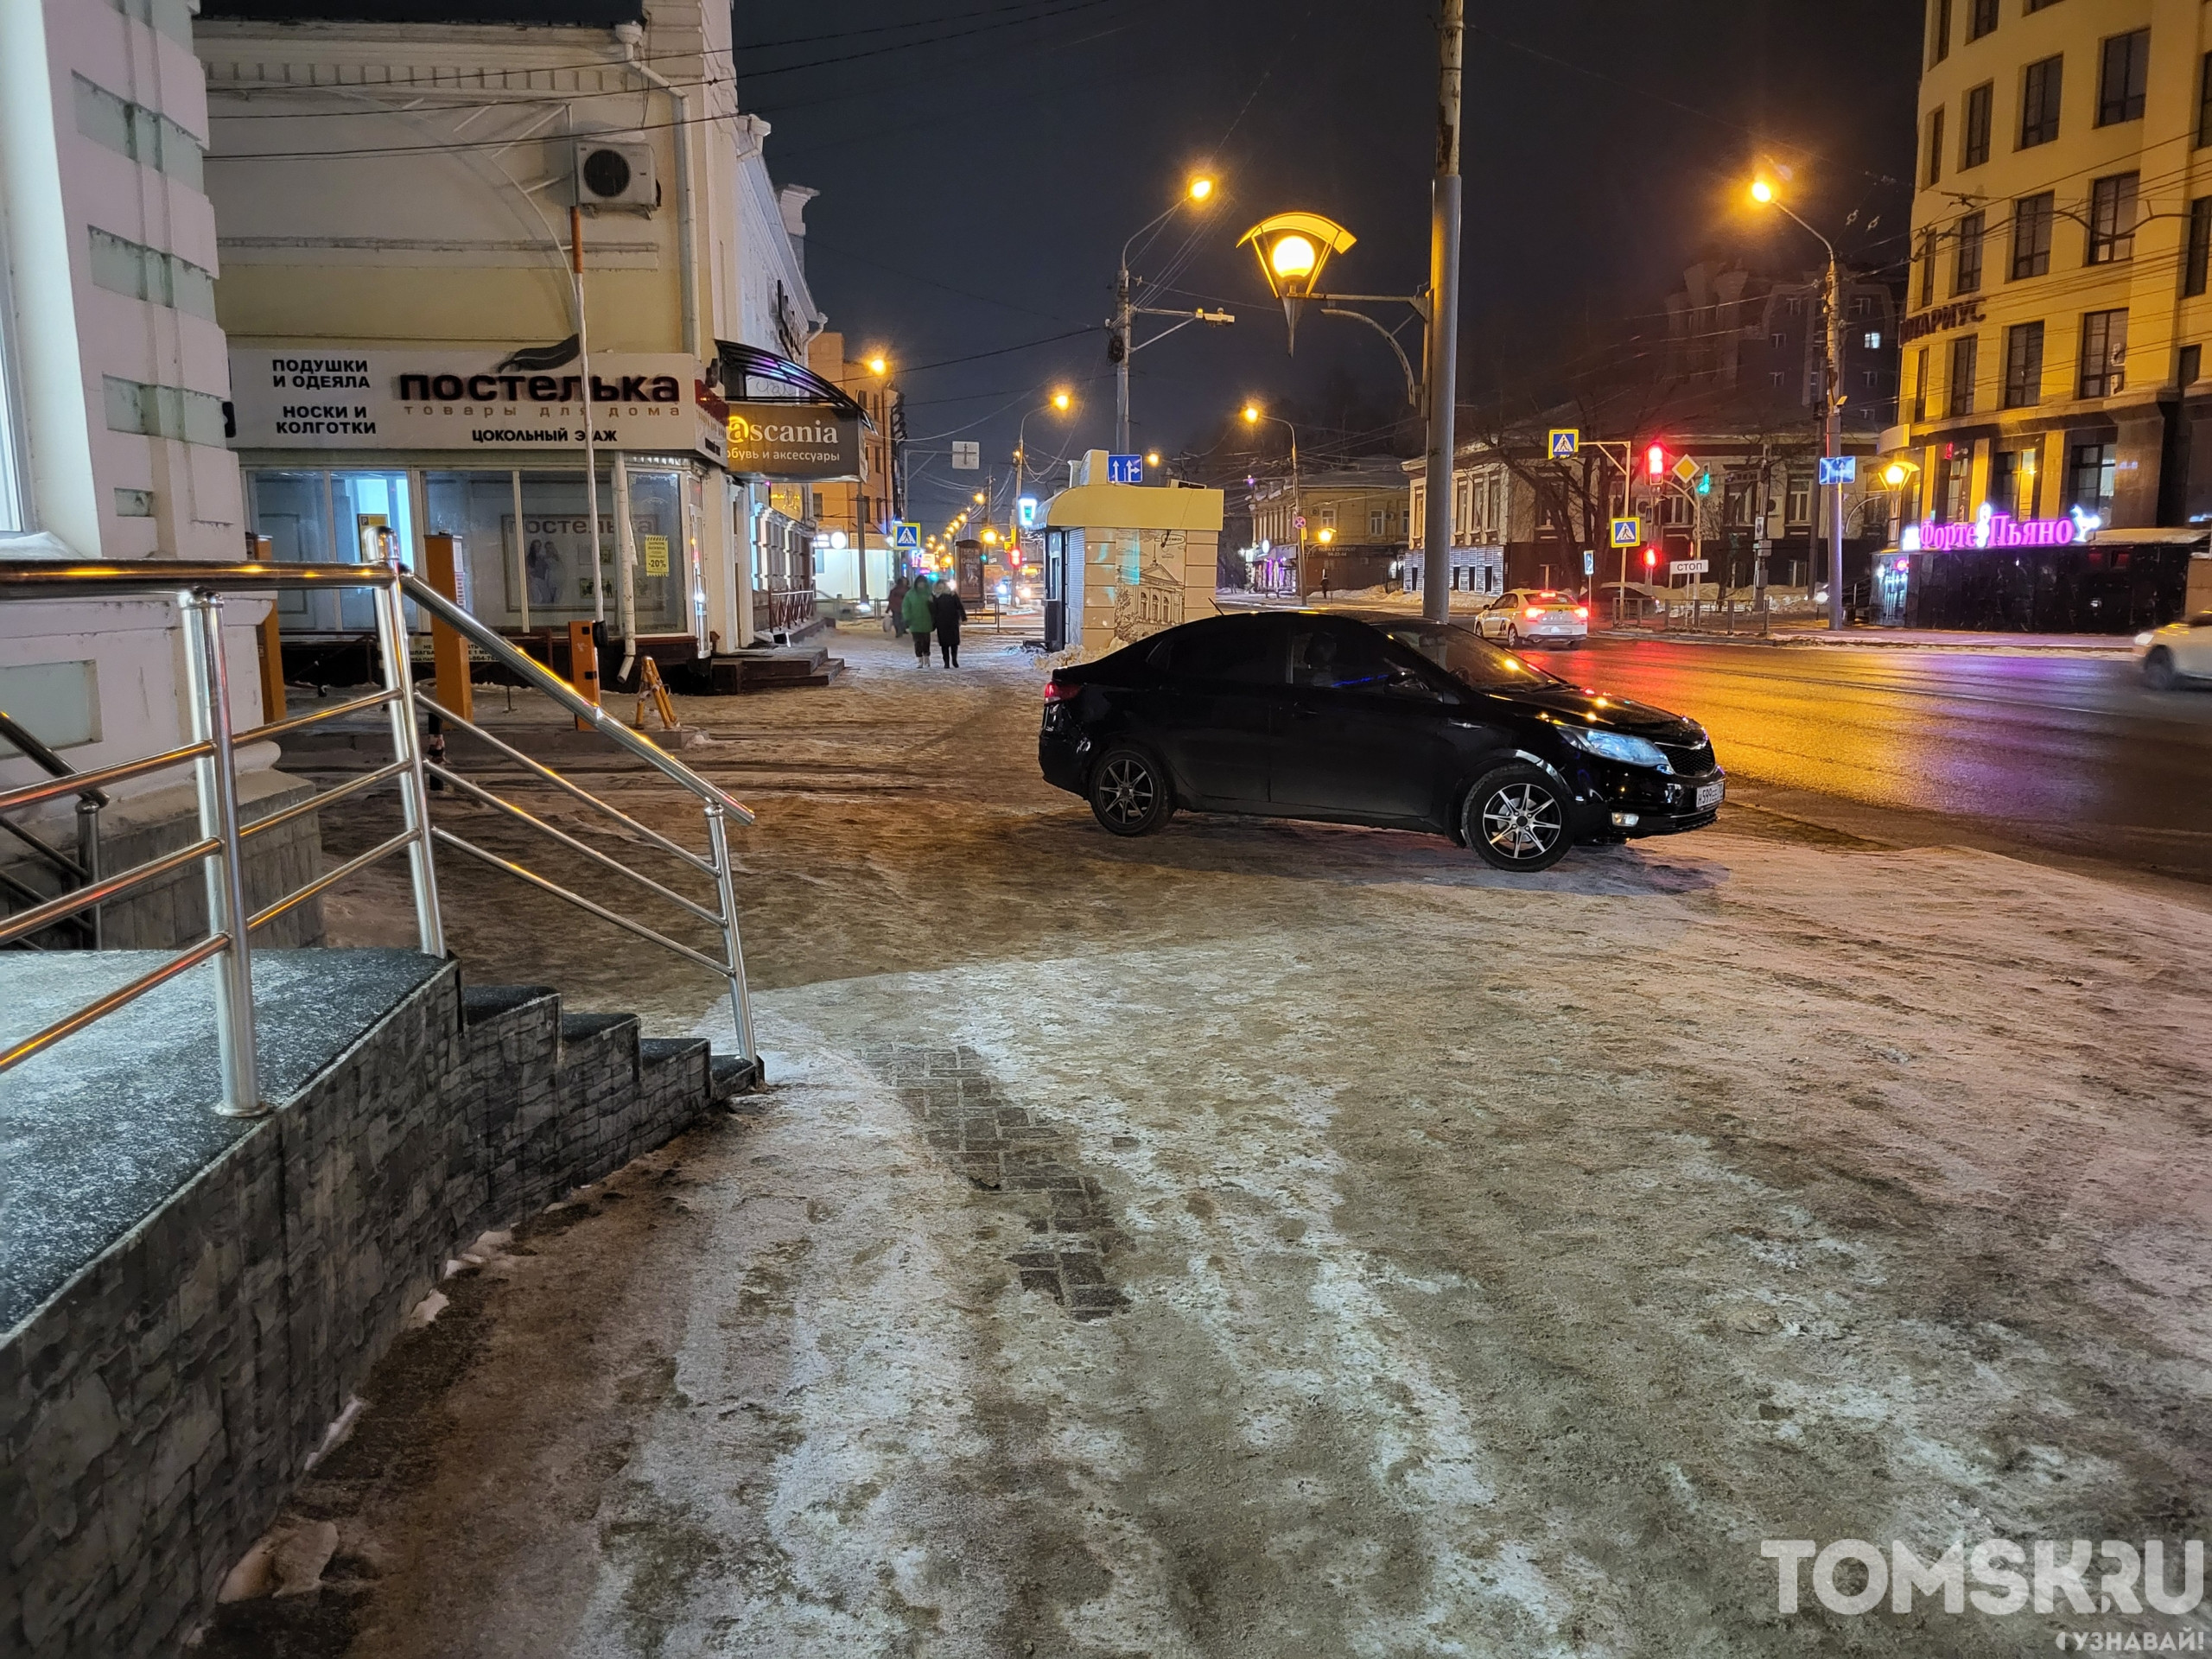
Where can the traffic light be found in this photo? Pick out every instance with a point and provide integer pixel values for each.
(1651, 557)
(1705, 482)
(1655, 462)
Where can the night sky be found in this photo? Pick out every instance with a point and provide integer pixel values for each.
(980, 162)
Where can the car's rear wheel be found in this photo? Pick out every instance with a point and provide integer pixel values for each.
(1515, 818)
(2158, 669)
(1128, 792)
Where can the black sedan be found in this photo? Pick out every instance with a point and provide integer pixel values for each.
(1408, 724)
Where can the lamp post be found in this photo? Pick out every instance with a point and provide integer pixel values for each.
(1293, 247)
(1253, 415)
(1120, 347)
(1832, 431)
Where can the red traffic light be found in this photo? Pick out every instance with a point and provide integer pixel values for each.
(1655, 460)
(1651, 557)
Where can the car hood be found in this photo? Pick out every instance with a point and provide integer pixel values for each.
(1588, 708)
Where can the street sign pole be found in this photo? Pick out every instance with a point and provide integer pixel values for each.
(1444, 318)
(1833, 443)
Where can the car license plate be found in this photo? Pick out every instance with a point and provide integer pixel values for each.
(1708, 796)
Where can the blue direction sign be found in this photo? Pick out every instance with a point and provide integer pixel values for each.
(1839, 469)
(1589, 562)
(1125, 469)
(1627, 532)
(1565, 441)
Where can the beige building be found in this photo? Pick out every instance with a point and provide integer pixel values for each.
(2055, 420)
(861, 511)
(1124, 561)
(1354, 526)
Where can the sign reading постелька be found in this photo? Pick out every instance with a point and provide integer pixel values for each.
(793, 441)
(335, 397)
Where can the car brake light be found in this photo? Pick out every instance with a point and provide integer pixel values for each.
(1058, 690)
(1536, 611)
(1582, 611)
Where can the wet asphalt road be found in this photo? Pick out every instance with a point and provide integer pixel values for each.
(2046, 752)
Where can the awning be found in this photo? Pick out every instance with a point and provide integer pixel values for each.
(740, 363)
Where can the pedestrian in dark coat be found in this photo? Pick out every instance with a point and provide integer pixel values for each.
(946, 614)
(915, 608)
(893, 603)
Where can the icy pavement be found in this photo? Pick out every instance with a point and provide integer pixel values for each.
(1274, 1240)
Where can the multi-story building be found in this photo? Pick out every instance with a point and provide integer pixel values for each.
(860, 512)
(1353, 526)
(114, 397)
(2055, 424)
(394, 192)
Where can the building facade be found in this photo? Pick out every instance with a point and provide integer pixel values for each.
(114, 395)
(1354, 529)
(861, 511)
(2055, 426)
(412, 349)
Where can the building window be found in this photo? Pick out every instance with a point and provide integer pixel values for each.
(1797, 500)
(1975, 151)
(2012, 482)
(1966, 362)
(2031, 219)
(2040, 86)
(1928, 269)
(2190, 367)
(2023, 364)
(1374, 523)
(1862, 305)
(1920, 385)
(2205, 100)
(1966, 277)
(2089, 468)
(2104, 354)
(1872, 340)
(1774, 377)
(2122, 77)
(1981, 18)
(2112, 218)
(1935, 146)
(1939, 31)
(1777, 341)
(2199, 254)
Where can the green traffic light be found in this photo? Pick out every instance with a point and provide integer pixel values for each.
(1705, 483)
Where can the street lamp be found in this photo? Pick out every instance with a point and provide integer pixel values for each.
(1060, 403)
(1120, 344)
(1253, 415)
(1764, 193)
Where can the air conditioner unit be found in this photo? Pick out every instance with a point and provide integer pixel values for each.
(609, 173)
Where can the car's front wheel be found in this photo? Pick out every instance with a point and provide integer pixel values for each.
(1515, 818)
(1512, 637)
(2158, 669)
(1128, 794)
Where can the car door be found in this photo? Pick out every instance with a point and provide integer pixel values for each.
(1363, 730)
(1490, 624)
(1211, 714)
(2193, 651)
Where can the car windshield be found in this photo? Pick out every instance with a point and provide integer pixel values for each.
(1466, 656)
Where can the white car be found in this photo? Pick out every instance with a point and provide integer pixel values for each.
(2178, 653)
(1535, 616)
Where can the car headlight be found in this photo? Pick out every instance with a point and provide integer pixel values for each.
(1617, 746)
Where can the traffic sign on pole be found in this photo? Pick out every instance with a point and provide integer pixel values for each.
(1589, 562)
(906, 537)
(1690, 566)
(1565, 442)
(1627, 532)
(1687, 469)
(1839, 469)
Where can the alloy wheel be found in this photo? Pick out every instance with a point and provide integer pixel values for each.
(1522, 822)
(1126, 790)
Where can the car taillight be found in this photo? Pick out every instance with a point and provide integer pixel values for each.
(1058, 690)
(1536, 611)
(1582, 611)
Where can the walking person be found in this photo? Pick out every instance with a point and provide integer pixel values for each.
(947, 613)
(894, 602)
(915, 608)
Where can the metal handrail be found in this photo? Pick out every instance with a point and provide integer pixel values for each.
(211, 751)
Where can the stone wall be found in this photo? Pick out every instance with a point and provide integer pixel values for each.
(156, 1411)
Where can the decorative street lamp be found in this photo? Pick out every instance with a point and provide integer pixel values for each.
(1253, 415)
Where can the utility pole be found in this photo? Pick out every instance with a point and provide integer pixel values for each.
(591, 454)
(1761, 545)
(1831, 442)
(1122, 358)
(1444, 319)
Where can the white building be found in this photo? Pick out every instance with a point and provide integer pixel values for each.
(113, 397)
(394, 201)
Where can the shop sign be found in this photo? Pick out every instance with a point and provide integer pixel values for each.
(1991, 529)
(1957, 314)
(337, 398)
(793, 441)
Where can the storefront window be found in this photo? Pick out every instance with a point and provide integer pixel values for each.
(329, 518)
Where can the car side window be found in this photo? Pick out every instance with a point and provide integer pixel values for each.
(1326, 656)
(1235, 650)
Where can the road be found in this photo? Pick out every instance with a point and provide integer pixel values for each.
(2051, 753)
(1263, 1240)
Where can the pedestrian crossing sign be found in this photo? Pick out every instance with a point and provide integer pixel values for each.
(906, 537)
(1565, 442)
(1627, 532)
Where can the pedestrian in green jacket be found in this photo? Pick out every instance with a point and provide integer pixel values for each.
(914, 609)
